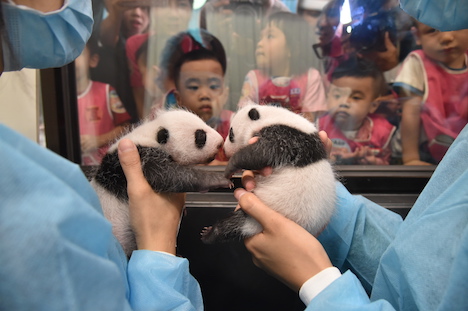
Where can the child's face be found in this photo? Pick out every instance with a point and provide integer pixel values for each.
(446, 47)
(350, 100)
(272, 49)
(136, 20)
(200, 87)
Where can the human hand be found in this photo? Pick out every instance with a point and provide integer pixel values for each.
(284, 249)
(366, 156)
(88, 143)
(385, 60)
(389, 105)
(327, 143)
(154, 217)
(218, 4)
(221, 15)
(417, 162)
(361, 155)
(118, 7)
(389, 58)
(115, 7)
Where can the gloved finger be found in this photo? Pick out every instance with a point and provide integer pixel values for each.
(252, 205)
(131, 163)
(248, 180)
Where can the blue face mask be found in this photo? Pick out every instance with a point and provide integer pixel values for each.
(45, 40)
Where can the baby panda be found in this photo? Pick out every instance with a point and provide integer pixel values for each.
(302, 184)
(168, 146)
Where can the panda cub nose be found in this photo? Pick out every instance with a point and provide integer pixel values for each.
(200, 138)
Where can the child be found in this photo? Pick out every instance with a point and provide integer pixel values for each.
(124, 20)
(199, 86)
(102, 116)
(435, 79)
(359, 136)
(285, 76)
(168, 18)
(158, 79)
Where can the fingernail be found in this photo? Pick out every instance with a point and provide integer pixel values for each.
(249, 185)
(239, 193)
(126, 145)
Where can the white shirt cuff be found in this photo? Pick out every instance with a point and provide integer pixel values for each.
(313, 286)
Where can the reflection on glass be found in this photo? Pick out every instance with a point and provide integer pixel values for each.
(436, 81)
(284, 75)
(359, 135)
(260, 51)
(101, 114)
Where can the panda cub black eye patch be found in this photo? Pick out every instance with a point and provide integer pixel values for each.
(200, 138)
(162, 136)
(231, 135)
(254, 114)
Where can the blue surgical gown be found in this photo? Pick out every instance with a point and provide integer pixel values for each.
(57, 250)
(420, 263)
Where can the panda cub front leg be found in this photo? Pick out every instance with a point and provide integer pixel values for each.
(165, 175)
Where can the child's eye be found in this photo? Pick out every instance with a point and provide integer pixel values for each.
(335, 95)
(215, 86)
(432, 30)
(356, 97)
(192, 87)
(183, 4)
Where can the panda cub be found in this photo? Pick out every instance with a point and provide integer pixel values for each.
(168, 146)
(302, 184)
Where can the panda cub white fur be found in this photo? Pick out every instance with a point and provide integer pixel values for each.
(168, 146)
(302, 185)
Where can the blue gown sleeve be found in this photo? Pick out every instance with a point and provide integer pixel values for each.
(58, 251)
(358, 234)
(346, 293)
(160, 281)
(423, 262)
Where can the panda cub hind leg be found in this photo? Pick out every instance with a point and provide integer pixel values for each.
(229, 229)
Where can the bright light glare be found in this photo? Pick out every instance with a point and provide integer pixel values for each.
(345, 17)
(198, 4)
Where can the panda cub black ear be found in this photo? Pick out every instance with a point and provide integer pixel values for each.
(163, 136)
(254, 114)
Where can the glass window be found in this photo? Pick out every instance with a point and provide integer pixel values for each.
(364, 71)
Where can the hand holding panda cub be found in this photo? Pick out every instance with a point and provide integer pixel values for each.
(302, 183)
(169, 146)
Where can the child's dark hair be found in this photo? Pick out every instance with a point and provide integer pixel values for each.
(174, 50)
(299, 40)
(93, 44)
(198, 54)
(357, 67)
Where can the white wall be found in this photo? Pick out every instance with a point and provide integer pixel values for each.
(19, 101)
